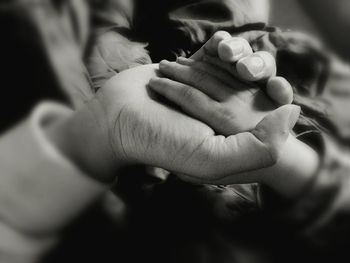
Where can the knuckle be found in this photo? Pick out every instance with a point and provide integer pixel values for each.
(187, 93)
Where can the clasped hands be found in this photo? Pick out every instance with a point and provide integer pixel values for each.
(224, 126)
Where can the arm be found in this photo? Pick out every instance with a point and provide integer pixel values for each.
(59, 162)
(41, 190)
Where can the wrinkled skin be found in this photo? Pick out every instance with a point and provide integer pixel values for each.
(144, 130)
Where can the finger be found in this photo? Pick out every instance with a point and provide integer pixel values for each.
(246, 151)
(194, 77)
(259, 66)
(220, 72)
(197, 104)
(230, 68)
(280, 90)
(211, 46)
(233, 49)
(192, 101)
(243, 68)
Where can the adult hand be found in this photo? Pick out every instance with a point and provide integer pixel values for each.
(229, 109)
(209, 88)
(128, 125)
(141, 129)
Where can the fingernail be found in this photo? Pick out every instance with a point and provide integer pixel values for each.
(230, 49)
(294, 116)
(280, 90)
(254, 65)
(236, 48)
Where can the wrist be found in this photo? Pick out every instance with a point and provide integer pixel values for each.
(84, 139)
(43, 190)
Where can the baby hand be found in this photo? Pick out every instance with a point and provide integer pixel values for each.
(235, 56)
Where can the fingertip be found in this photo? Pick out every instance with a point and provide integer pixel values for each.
(154, 80)
(280, 90)
(154, 83)
(184, 61)
(163, 63)
(270, 64)
(211, 48)
(258, 66)
(167, 67)
(281, 120)
(234, 49)
(287, 114)
(220, 36)
(275, 129)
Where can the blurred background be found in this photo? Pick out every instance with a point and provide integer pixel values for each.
(150, 216)
(289, 14)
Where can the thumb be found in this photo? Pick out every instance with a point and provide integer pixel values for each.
(218, 156)
(274, 129)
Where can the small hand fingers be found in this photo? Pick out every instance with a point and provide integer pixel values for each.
(194, 77)
(211, 46)
(219, 70)
(233, 49)
(259, 66)
(280, 90)
(190, 100)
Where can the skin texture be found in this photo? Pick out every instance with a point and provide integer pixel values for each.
(235, 56)
(214, 93)
(126, 124)
(145, 130)
(140, 128)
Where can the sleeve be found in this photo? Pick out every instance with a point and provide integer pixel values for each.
(41, 191)
(42, 44)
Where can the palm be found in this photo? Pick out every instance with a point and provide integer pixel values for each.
(146, 130)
